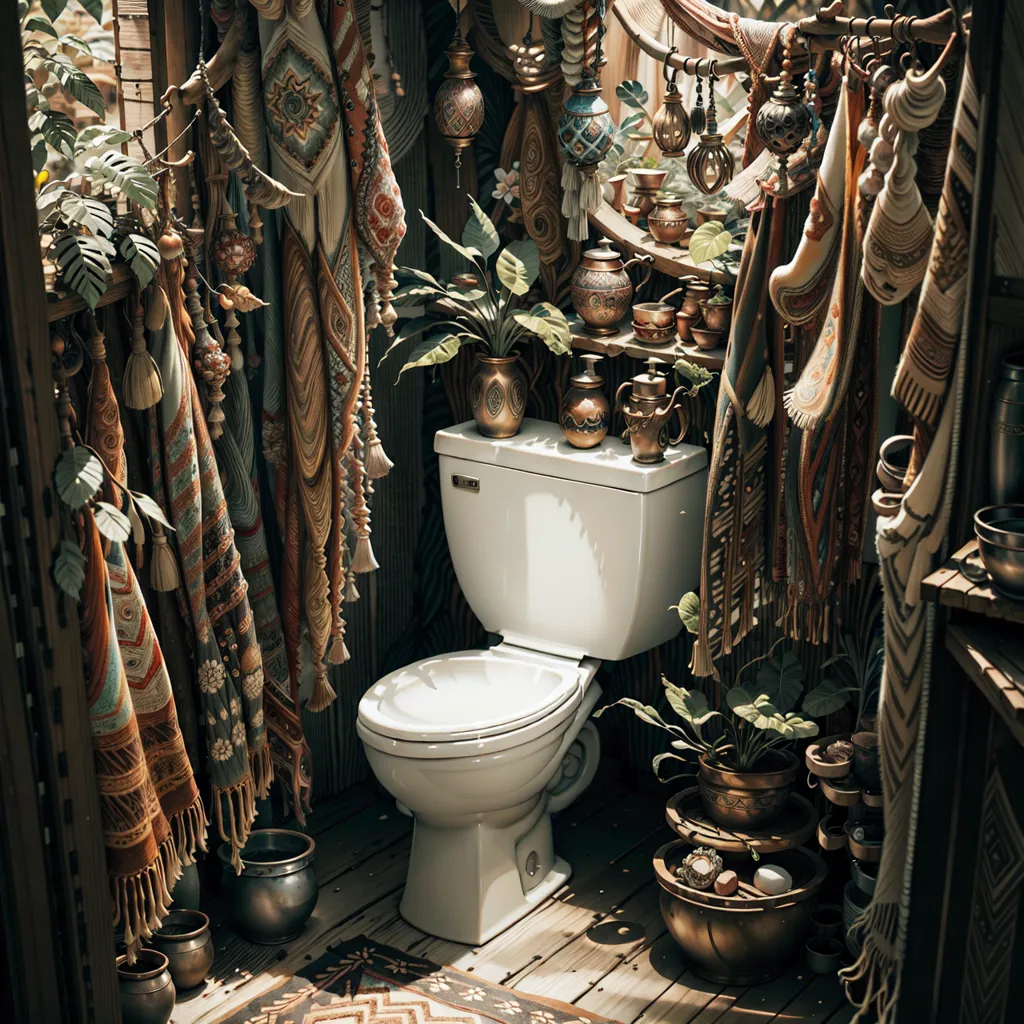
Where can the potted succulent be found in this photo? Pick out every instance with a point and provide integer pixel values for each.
(746, 772)
(718, 311)
(486, 309)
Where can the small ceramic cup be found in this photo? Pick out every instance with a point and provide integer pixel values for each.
(827, 921)
(823, 955)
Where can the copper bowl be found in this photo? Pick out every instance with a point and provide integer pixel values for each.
(705, 338)
(653, 335)
(654, 314)
(684, 325)
(717, 315)
(706, 213)
(746, 938)
(1000, 533)
(747, 800)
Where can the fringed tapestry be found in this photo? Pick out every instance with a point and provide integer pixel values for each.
(167, 769)
(929, 383)
(228, 659)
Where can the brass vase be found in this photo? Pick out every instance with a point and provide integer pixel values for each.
(585, 415)
(668, 222)
(497, 395)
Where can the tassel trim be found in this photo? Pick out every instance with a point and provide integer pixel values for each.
(323, 695)
(701, 662)
(163, 566)
(261, 765)
(377, 462)
(363, 560)
(761, 407)
(338, 653)
(142, 900)
(803, 419)
(142, 387)
(240, 801)
(351, 591)
(188, 827)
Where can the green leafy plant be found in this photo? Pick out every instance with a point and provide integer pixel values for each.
(79, 219)
(720, 298)
(491, 313)
(761, 719)
(857, 670)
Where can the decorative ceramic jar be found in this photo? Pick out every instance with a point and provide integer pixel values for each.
(184, 938)
(750, 801)
(601, 288)
(647, 184)
(668, 221)
(273, 897)
(497, 395)
(1006, 454)
(742, 939)
(146, 989)
(648, 411)
(585, 128)
(585, 415)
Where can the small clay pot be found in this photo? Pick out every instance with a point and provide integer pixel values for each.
(827, 921)
(893, 462)
(885, 503)
(824, 954)
(146, 990)
(632, 214)
(497, 395)
(717, 315)
(747, 800)
(184, 938)
(684, 325)
(696, 293)
(705, 338)
(655, 314)
(706, 213)
(668, 221)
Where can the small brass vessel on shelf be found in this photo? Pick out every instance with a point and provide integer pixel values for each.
(705, 338)
(585, 414)
(648, 411)
(653, 335)
(655, 314)
(684, 325)
(647, 184)
(717, 312)
(668, 222)
(601, 287)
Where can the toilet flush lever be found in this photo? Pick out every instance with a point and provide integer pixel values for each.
(465, 483)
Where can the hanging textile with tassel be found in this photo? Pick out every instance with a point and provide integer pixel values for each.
(228, 659)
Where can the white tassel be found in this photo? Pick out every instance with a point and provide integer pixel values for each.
(761, 407)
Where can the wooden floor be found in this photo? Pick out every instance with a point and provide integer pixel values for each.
(598, 943)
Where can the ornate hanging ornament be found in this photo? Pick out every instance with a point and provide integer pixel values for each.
(784, 120)
(698, 122)
(459, 103)
(710, 165)
(671, 124)
(585, 133)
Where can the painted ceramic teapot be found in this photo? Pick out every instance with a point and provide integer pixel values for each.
(602, 291)
(648, 411)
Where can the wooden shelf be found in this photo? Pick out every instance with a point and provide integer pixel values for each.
(61, 303)
(669, 259)
(950, 587)
(624, 342)
(995, 664)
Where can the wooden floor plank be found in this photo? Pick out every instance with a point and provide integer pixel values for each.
(717, 1000)
(356, 839)
(625, 992)
(327, 813)
(580, 965)
(843, 1015)
(816, 1003)
(762, 1003)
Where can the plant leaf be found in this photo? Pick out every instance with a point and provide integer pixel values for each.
(782, 680)
(112, 522)
(630, 122)
(151, 509)
(88, 212)
(122, 173)
(95, 8)
(826, 698)
(75, 82)
(76, 42)
(84, 264)
(549, 324)
(433, 350)
(690, 705)
(512, 271)
(409, 329)
(689, 611)
(53, 9)
(69, 568)
(644, 712)
(38, 24)
(479, 232)
(418, 275)
(527, 252)
(142, 255)
(698, 376)
(58, 129)
(414, 292)
(666, 756)
(709, 241)
(96, 135)
(78, 475)
(632, 93)
(470, 254)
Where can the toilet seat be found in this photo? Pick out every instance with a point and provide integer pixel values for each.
(472, 702)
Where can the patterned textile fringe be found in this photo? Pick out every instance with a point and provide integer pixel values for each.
(141, 901)
(142, 386)
(262, 767)
(188, 829)
(761, 407)
(878, 965)
(573, 208)
(241, 803)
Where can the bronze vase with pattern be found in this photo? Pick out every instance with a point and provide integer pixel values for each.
(497, 395)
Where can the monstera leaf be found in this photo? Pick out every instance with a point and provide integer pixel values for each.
(84, 262)
(142, 256)
(123, 174)
(75, 82)
(100, 135)
(56, 128)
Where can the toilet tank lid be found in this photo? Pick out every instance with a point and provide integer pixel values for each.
(540, 448)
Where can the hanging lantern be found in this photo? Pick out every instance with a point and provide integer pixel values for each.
(234, 252)
(784, 120)
(585, 133)
(459, 103)
(710, 165)
(671, 124)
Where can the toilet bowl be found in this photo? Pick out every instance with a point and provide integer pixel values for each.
(571, 556)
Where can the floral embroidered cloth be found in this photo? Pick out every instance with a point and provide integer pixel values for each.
(360, 981)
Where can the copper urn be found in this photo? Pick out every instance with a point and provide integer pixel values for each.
(497, 395)
(601, 288)
(648, 411)
(585, 414)
(668, 222)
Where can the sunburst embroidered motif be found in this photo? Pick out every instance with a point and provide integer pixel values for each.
(294, 104)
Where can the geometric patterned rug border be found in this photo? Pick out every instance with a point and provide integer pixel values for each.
(364, 982)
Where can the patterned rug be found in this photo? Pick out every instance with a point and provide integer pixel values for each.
(360, 982)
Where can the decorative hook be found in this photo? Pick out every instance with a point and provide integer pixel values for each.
(665, 68)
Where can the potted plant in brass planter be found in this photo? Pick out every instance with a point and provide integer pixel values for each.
(745, 773)
(488, 312)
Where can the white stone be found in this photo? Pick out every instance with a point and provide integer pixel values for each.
(773, 880)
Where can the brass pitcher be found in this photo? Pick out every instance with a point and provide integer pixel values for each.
(601, 289)
(648, 411)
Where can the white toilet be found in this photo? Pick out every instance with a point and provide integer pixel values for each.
(572, 556)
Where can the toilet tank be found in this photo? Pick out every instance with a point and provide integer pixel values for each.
(568, 551)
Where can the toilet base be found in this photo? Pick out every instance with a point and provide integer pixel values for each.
(466, 884)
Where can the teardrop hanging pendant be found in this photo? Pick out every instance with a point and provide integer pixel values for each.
(459, 103)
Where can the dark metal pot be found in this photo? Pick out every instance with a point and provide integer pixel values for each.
(747, 800)
(273, 897)
(1006, 455)
(185, 892)
(185, 939)
(867, 766)
(146, 989)
(742, 939)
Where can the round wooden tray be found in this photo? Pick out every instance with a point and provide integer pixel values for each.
(826, 771)
(840, 796)
(686, 816)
